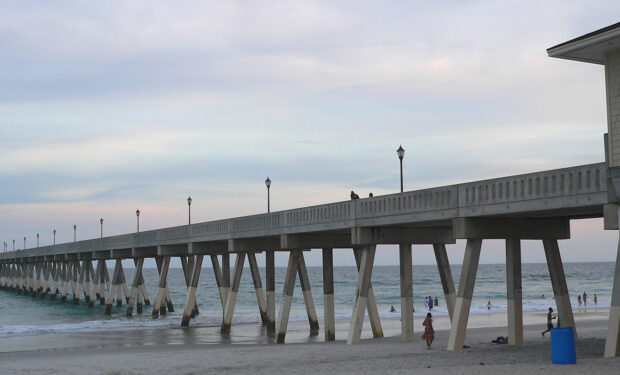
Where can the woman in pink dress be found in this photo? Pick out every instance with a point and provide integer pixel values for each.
(429, 332)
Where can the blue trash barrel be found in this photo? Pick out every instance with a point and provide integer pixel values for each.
(563, 346)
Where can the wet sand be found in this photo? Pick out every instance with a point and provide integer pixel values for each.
(199, 350)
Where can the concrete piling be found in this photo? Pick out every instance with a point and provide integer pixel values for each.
(328, 295)
(406, 292)
(558, 282)
(190, 302)
(258, 288)
(270, 290)
(307, 292)
(371, 303)
(445, 274)
(514, 292)
(464, 295)
(232, 295)
(287, 296)
(366, 261)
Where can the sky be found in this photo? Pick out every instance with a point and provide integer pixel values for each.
(106, 107)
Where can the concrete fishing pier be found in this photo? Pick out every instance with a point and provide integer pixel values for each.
(535, 206)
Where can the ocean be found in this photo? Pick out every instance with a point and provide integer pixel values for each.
(20, 315)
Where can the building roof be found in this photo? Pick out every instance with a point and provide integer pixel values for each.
(590, 47)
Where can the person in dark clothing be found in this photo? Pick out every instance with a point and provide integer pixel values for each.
(550, 318)
(354, 196)
(370, 195)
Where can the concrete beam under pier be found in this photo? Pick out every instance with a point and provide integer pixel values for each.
(400, 235)
(253, 244)
(511, 228)
(315, 241)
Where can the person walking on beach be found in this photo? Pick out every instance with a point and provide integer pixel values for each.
(550, 318)
(595, 299)
(579, 299)
(429, 332)
(426, 302)
(430, 303)
(585, 299)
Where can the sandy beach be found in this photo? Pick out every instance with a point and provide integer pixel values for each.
(201, 350)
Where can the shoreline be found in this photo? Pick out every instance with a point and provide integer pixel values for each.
(255, 334)
(197, 351)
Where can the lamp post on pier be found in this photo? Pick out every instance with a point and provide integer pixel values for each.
(13, 245)
(74, 233)
(24, 243)
(101, 222)
(37, 239)
(189, 210)
(137, 221)
(401, 154)
(268, 184)
(54, 237)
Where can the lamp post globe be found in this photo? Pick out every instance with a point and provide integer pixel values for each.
(401, 154)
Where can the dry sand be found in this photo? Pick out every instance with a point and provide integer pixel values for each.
(200, 350)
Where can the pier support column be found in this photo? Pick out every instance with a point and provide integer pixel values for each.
(111, 292)
(188, 269)
(56, 271)
(406, 292)
(464, 295)
(558, 282)
(103, 281)
(308, 300)
(287, 296)
(190, 302)
(160, 297)
(371, 303)
(144, 295)
(258, 288)
(135, 287)
(365, 265)
(328, 295)
(123, 283)
(612, 343)
(79, 272)
(232, 295)
(226, 274)
(445, 274)
(513, 285)
(66, 272)
(219, 280)
(94, 292)
(87, 276)
(270, 288)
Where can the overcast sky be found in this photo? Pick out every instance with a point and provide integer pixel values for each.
(108, 107)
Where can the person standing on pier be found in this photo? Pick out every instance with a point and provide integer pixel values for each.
(429, 332)
(550, 318)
